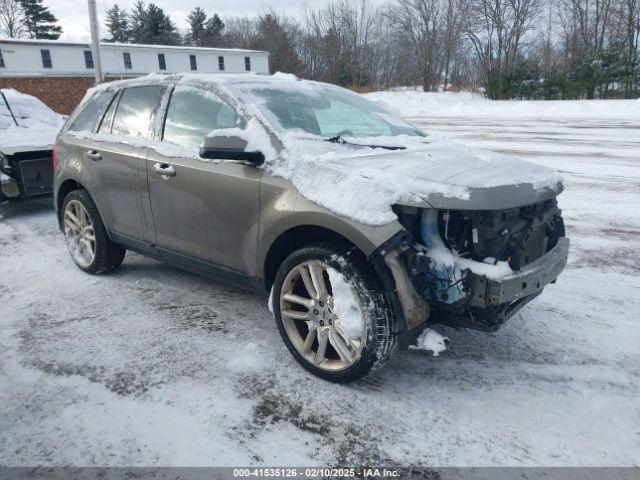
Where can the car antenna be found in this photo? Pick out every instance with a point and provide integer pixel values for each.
(9, 108)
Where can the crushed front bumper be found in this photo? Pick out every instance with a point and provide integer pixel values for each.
(523, 283)
(488, 303)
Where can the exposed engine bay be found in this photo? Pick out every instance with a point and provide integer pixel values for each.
(477, 268)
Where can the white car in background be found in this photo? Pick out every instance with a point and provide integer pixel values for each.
(28, 130)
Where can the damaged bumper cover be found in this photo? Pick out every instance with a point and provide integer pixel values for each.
(524, 282)
(488, 302)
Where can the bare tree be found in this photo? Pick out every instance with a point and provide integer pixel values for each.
(11, 18)
(421, 23)
(592, 21)
(629, 17)
(496, 29)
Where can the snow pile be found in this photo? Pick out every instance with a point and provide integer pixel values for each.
(345, 305)
(431, 341)
(256, 137)
(413, 103)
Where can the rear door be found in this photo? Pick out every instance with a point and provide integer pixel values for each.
(204, 211)
(119, 160)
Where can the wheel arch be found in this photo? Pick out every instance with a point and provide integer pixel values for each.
(67, 186)
(293, 239)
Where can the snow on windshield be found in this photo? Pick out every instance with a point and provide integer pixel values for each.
(321, 110)
(28, 111)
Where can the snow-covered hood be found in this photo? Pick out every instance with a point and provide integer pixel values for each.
(21, 139)
(433, 174)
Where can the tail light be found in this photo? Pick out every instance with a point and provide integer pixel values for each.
(54, 158)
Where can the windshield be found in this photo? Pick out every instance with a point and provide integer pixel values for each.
(325, 111)
(26, 111)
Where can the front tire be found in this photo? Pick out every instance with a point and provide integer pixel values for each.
(86, 236)
(332, 313)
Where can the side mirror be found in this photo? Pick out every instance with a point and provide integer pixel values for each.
(223, 147)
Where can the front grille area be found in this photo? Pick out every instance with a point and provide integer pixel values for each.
(517, 235)
(35, 172)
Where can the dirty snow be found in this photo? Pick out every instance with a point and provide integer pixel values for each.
(150, 365)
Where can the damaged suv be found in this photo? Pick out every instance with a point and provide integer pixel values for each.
(363, 229)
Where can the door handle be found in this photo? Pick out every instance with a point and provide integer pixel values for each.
(164, 169)
(93, 155)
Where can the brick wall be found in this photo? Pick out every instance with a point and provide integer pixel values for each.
(61, 94)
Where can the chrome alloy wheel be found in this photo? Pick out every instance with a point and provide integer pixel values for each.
(78, 230)
(311, 322)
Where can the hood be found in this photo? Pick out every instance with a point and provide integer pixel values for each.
(362, 184)
(21, 139)
(446, 175)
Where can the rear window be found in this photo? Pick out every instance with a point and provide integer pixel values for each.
(136, 111)
(92, 112)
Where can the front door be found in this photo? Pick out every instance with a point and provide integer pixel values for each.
(204, 210)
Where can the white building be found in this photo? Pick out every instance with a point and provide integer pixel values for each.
(59, 72)
(52, 57)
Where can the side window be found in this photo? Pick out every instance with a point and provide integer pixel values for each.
(221, 64)
(91, 113)
(126, 58)
(107, 120)
(1, 60)
(193, 113)
(136, 111)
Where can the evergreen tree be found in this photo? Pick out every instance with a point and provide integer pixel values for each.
(213, 31)
(137, 22)
(197, 30)
(150, 24)
(118, 24)
(38, 21)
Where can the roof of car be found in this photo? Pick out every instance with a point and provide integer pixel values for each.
(213, 78)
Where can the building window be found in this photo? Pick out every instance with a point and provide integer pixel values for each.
(46, 59)
(161, 62)
(1, 60)
(126, 56)
(88, 59)
(247, 64)
(194, 62)
(221, 64)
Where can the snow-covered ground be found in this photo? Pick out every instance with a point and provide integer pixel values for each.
(153, 366)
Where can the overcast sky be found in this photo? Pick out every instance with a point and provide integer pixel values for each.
(74, 18)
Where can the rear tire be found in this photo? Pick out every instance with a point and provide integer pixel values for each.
(353, 322)
(86, 236)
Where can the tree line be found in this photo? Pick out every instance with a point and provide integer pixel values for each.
(534, 49)
(28, 18)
